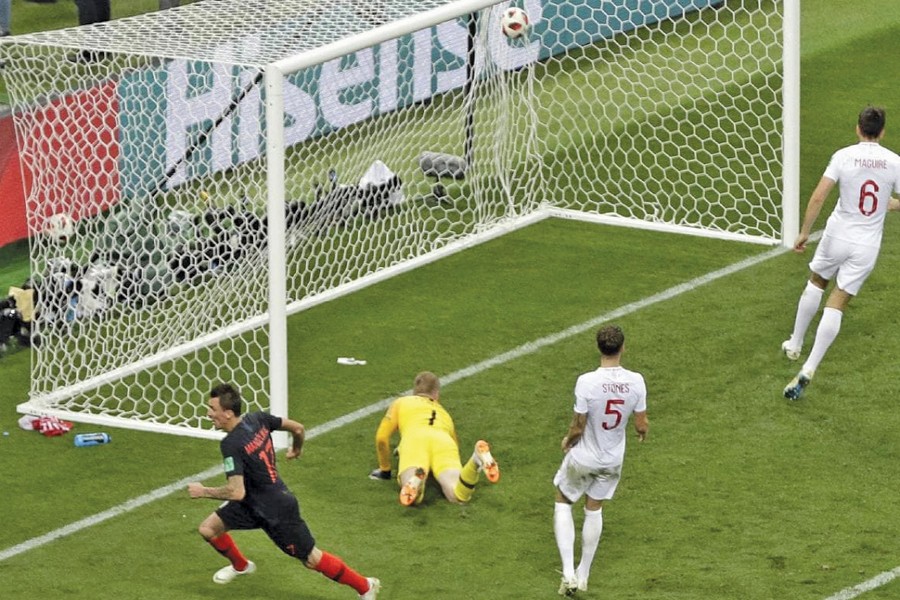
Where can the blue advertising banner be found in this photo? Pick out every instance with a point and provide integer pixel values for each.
(183, 119)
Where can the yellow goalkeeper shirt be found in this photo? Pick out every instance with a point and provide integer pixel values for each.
(407, 414)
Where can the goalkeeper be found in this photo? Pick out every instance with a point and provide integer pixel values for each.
(428, 444)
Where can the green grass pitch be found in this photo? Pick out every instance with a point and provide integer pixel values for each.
(737, 494)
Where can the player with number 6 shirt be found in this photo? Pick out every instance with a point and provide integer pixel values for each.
(867, 175)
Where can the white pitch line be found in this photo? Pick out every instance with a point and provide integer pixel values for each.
(115, 511)
(866, 586)
(520, 351)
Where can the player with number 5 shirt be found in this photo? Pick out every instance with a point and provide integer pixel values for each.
(605, 398)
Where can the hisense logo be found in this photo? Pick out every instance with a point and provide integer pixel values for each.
(226, 101)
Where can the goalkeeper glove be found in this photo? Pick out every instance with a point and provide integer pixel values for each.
(379, 474)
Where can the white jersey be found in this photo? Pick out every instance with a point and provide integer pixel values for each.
(608, 395)
(867, 174)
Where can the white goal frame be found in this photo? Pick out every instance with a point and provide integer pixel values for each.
(275, 319)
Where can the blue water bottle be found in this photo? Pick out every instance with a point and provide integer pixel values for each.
(92, 439)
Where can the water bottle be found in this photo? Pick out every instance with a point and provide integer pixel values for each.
(92, 439)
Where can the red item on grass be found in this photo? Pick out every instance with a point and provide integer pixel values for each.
(52, 426)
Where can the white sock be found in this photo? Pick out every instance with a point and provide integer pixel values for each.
(564, 529)
(807, 308)
(828, 329)
(590, 539)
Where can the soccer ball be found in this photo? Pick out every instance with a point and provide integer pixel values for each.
(60, 227)
(514, 22)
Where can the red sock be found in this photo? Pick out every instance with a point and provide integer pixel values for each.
(224, 545)
(333, 567)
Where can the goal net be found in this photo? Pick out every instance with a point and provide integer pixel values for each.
(196, 175)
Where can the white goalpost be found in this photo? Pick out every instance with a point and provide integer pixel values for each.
(195, 176)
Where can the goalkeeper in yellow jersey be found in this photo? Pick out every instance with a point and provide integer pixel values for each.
(428, 444)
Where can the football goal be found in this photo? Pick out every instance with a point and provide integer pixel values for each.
(194, 176)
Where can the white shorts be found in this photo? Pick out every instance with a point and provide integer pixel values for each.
(851, 262)
(574, 480)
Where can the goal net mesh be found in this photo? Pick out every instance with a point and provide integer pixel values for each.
(143, 147)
